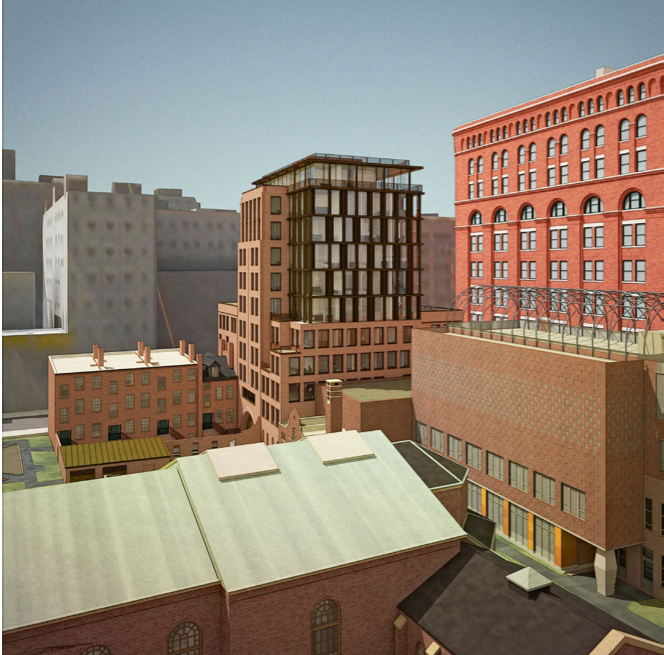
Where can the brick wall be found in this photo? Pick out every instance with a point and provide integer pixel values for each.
(393, 417)
(455, 501)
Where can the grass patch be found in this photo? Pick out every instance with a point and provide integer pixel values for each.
(651, 610)
(527, 554)
(39, 441)
(50, 463)
(13, 486)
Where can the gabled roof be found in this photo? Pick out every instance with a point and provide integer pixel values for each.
(311, 516)
(226, 372)
(468, 607)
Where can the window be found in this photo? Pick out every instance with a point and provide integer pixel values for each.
(275, 229)
(551, 176)
(129, 426)
(275, 281)
(186, 637)
(64, 391)
(454, 447)
(309, 391)
(599, 167)
(494, 161)
(593, 236)
(229, 416)
(585, 139)
(551, 148)
(437, 439)
(145, 377)
(471, 167)
(161, 405)
(471, 190)
(624, 163)
(548, 119)
(634, 200)
(191, 374)
(113, 410)
(476, 219)
(96, 404)
(177, 397)
(558, 270)
(501, 216)
(351, 362)
(96, 429)
(145, 425)
(474, 497)
(113, 387)
(407, 334)
(505, 188)
(634, 234)
(521, 181)
(420, 432)
(476, 242)
(599, 137)
(527, 213)
(275, 205)
(564, 144)
(495, 466)
(351, 336)
(585, 169)
(624, 130)
(545, 488)
(80, 406)
(275, 256)
(600, 104)
(325, 628)
(294, 393)
(145, 400)
(558, 209)
(528, 239)
(494, 186)
(648, 514)
(79, 383)
(574, 502)
(96, 381)
(474, 456)
(563, 174)
(365, 362)
(641, 160)
(177, 375)
(64, 415)
(558, 239)
(533, 152)
(591, 107)
(533, 180)
(630, 94)
(505, 159)
(323, 363)
(593, 206)
(518, 476)
(96, 650)
(522, 155)
(191, 419)
(500, 241)
(293, 366)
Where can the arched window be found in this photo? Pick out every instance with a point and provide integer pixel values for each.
(525, 125)
(498, 134)
(474, 141)
(582, 109)
(599, 136)
(621, 98)
(518, 127)
(527, 213)
(96, 650)
(593, 206)
(640, 126)
(468, 143)
(505, 132)
(532, 124)
(591, 107)
(551, 147)
(471, 167)
(630, 94)
(522, 155)
(556, 117)
(585, 140)
(533, 152)
(624, 130)
(564, 114)
(634, 200)
(505, 159)
(548, 119)
(642, 91)
(479, 140)
(494, 161)
(480, 165)
(325, 629)
(185, 640)
(501, 216)
(600, 104)
(476, 219)
(493, 136)
(558, 209)
(564, 142)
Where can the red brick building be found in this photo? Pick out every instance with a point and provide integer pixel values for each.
(329, 279)
(566, 191)
(168, 402)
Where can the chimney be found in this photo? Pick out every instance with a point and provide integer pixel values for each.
(147, 354)
(100, 357)
(333, 405)
(95, 351)
(141, 348)
(192, 353)
(603, 70)
(183, 347)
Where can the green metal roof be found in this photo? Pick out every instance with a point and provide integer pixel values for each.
(310, 516)
(75, 548)
(109, 452)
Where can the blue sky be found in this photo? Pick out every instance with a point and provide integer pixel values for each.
(208, 96)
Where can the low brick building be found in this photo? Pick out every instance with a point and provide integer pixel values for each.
(241, 550)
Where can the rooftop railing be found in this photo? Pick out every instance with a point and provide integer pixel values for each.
(355, 184)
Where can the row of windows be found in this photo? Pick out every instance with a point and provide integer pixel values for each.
(573, 500)
(558, 116)
(594, 205)
(530, 152)
(79, 381)
(381, 360)
(337, 340)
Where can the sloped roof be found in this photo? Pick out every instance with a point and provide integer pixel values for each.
(310, 516)
(108, 452)
(434, 469)
(75, 548)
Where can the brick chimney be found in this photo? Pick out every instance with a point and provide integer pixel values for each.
(333, 405)
(192, 353)
(147, 354)
(100, 357)
(95, 351)
(183, 347)
(140, 348)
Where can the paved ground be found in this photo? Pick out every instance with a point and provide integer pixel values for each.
(25, 423)
(40, 466)
(584, 586)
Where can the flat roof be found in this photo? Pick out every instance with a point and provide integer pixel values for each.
(435, 470)
(75, 548)
(121, 360)
(315, 516)
(108, 452)
(372, 390)
(504, 621)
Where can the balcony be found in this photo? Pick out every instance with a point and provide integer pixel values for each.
(354, 184)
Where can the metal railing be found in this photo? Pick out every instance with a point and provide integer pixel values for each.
(354, 184)
(175, 434)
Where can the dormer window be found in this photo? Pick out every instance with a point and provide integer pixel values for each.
(214, 371)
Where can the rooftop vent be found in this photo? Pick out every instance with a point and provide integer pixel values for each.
(604, 70)
(340, 446)
(528, 582)
(242, 461)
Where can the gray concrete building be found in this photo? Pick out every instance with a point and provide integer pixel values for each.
(109, 268)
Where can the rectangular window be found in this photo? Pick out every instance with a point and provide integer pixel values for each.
(145, 377)
(405, 359)
(145, 400)
(80, 432)
(640, 270)
(177, 420)
(551, 176)
(574, 502)
(80, 406)
(391, 335)
(505, 184)
(64, 415)
(191, 395)
(599, 270)
(293, 366)
(522, 181)
(161, 405)
(79, 383)
(545, 488)
(229, 416)
(96, 381)
(474, 456)
(454, 447)
(563, 174)
(351, 335)
(113, 410)
(495, 466)
(585, 169)
(599, 167)
(587, 271)
(145, 425)
(275, 205)
(96, 404)
(627, 270)
(518, 476)
(294, 393)
(351, 362)
(392, 359)
(421, 433)
(96, 430)
(365, 336)
(177, 375)
(275, 229)
(641, 160)
(129, 426)
(471, 190)
(648, 513)
(378, 361)
(634, 234)
(624, 163)
(113, 387)
(365, 362)
(323, 364)
(533, 179)
(275, 256)
(437, 440)
(275, 282)
(177, 397)
(191, 419)
(191, 374)
(64, 391)
(474, 497)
